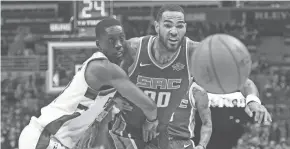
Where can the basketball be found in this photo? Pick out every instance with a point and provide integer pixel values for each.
(221, 64)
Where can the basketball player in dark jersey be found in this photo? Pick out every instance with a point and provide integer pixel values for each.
(168, 56)
(161, 69)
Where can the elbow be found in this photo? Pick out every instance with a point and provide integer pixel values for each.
(208, 125)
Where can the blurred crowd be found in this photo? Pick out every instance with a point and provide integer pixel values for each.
(23, 94)
(246, 32)
(265, 137)
(23, 43)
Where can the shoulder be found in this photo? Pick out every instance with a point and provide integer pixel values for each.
(191, 45)
(104, 70)
(134, 44)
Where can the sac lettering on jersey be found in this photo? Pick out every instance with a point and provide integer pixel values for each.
(154, 83)
(161, 98)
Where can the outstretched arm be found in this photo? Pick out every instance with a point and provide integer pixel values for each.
(103, 72)
(202, 105)
(253, 103)
(250, 89)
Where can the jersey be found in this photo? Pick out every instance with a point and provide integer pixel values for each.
(165, 84)
(182, 122)
(71, 113)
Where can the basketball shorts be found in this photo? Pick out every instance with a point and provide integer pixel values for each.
(32, 137)
(127, 143)
(167, 142)
(163, 141)
(181, 144)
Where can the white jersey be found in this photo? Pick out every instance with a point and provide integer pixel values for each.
(71, 113)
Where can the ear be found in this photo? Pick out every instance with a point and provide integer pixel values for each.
(156, 24)
(185, 25)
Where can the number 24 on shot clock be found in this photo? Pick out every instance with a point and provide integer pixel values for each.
(91, 8)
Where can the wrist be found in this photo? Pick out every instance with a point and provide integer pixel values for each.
(151, 120)
(151, 116)
(252, 98)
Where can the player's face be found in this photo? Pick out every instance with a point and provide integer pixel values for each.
(171, 29)
(112, 43)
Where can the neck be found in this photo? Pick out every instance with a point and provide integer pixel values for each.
(160, 52)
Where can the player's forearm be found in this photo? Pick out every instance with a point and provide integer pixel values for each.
(250, 91)
(131, 92)
(202, 103)
(206, 127)
(147, 105)
(205, 133)
(249, 88)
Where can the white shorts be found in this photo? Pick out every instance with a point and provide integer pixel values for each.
(30, 138)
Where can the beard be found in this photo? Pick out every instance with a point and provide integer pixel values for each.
(166, 44)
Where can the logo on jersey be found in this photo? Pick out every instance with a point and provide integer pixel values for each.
(178, 66)
(161, 98)
(142, 65)
(186, 145)
(154, 83)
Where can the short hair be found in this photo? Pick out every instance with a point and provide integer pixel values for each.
(168, 7)
(105, 23)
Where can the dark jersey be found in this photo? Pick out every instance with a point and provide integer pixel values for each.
(182, 121)
(166, 85)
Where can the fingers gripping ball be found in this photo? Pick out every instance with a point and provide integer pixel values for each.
(221, 64)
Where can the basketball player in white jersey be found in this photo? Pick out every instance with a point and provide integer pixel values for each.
(64, 120)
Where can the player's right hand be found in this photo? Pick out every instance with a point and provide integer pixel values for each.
(149, 130)
(122, 105)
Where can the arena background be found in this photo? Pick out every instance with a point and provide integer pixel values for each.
(44, 43)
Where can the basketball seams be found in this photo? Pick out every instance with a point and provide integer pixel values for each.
(234, 58)
(213, 66)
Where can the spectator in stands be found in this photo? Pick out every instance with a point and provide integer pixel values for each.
(4, 47)
(275, 133)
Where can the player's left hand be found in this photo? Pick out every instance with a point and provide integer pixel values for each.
(261, 113)
(149, 130)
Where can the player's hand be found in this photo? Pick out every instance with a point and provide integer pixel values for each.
(261, 113)
(121, 104)
(149, 130)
